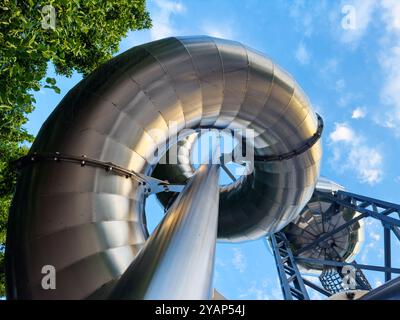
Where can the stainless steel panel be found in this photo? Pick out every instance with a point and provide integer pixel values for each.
(208, 64)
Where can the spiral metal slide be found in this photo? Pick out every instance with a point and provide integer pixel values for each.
(89, 223)
(318, 217)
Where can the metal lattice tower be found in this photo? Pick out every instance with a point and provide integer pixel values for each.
(331, 277)
(292, 283)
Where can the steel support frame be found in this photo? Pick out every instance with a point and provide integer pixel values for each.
(342, 264)
(367, 207)
(292, 283)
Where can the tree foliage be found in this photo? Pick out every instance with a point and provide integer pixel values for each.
(86, 33)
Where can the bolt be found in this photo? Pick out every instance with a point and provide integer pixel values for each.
(350, 295)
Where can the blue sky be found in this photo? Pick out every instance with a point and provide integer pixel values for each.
(351, 73)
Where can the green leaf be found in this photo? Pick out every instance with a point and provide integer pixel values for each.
(56, 89)
(87, 34)
(51, 81)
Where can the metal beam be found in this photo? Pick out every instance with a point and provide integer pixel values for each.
(396, 232)
(342, 264)
(383, 218)
(370, 213)
(379, 203)
(317, 288)
(388, 211)
(348, 200)
(287, 295)
(289, 275)
(388, 253)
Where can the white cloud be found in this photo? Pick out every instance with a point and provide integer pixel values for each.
(352, 154)
(219, 30)
(373, 229)
(391, 14)
(367, 162)
(238, 260)
(390, 93)
(322, 15)
(372, 223)
(346, 98)
(367, 14)
(367, 249)
(314, 295)
(389, 59)
(302, 54)
(340, 85)
(375, 235)
(277, 290)
(378, 283)
(256, 292)
(304, 15)
(329, 68)
(358, 113)
(312, 279)
(380, 253)
(343, 133)
(162, 18)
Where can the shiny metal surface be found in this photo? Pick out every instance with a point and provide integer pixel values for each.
(319, 217)
(90, 225)
(177, 261)
(258, 95)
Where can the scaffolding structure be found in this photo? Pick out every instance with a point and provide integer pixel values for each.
(332, 278)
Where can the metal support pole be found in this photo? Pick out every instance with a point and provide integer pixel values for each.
(317, 288)
(177, 260)
(396, 232)
(388, 253)
(289, 275)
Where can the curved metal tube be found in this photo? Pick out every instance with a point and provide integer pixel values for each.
(90, 225)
